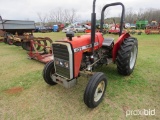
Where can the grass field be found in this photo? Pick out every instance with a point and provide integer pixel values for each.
(25, 96)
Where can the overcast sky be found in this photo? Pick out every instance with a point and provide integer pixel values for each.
(28, 9)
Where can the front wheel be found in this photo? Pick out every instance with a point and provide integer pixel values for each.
(95, 90)
(127, 56)
(48, 71)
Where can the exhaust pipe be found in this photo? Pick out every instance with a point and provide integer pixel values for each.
(93, 27)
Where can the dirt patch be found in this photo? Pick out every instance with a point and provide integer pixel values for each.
(14, 90)
(125, 108)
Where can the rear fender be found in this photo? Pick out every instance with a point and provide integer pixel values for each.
(118, 44)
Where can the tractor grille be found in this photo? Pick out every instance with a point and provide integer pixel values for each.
(61, 53)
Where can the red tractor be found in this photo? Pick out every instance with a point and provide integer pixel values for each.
(79, 55)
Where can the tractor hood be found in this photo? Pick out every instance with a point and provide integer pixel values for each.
(83, 42)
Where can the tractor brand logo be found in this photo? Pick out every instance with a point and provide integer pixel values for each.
(85, 47)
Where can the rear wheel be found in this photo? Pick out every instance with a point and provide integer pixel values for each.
(95, 90)
(127, 56)
(48, 71)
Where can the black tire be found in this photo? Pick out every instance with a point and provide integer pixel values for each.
(5, 40)
(47, 71)
(26, 46)
(89, 95)
(10, 41)
(127, 56)
(17, 43)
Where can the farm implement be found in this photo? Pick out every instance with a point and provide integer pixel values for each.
(81, 55)
(1, 39)
(20, 33)
(1, 36)
(153, 28)
(39, 51)
(115, 28)
(15, 30)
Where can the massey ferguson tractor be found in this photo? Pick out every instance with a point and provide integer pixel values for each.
(75, 56)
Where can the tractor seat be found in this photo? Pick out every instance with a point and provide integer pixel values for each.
(108, 42)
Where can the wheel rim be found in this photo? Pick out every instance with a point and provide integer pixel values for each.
(133, 57)
(99, 91)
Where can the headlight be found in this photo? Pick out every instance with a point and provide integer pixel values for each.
(66, 64)
(62, 63)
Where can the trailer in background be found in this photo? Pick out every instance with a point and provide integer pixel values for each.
(14, 30)
(20, 33)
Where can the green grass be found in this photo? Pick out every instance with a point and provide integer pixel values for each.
(37, 100)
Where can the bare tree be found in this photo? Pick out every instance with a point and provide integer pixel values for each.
(152, 14)
(42, 18)
(71, 17)
(106, 13)
(149, 14)
(63, 15)
(130, 16)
